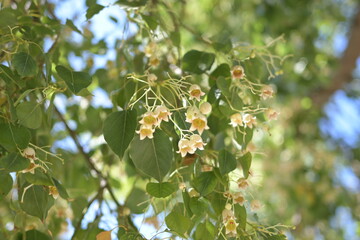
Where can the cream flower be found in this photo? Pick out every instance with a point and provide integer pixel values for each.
(149, 119)
(197, 141)
(271, 114)
(267, 92)
(255, 205)
(162, 113)
(182, 186)
(205, 108)
(192, 113)
(249, 120)
(236, 120)
(238, 198)
(237, 72)
(151, 78)
(29, 153)
(195, 92)
(242, 183)
(199, 123)
(150, 49)
(230, 227)
(185, 147)
(54, 192)
(227, 214)
(146, 131)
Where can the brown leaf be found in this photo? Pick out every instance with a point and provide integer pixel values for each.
(105, 235)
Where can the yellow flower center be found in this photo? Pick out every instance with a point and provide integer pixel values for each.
(198, 123)
(195, 93)
(145, 131)
(231, 225)
(238, 73)
(149, 120)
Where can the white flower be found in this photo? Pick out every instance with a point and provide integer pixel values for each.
(191, 113)
(255, 205)
(195, 92)
(182, 186)
(230, 227)
(162, 113)
(197, 142)
(267, 92)
(199, 123)
(238, 198)
(271, 114)
(29, 153)
(237, 72)
(249, 120)
(236, 120)
(205, 108)
(185, 147)
(149, 119)
(146, 131)
(242, 183)
(54, 192)
(227, 214)
(152, 79)
(150, 49)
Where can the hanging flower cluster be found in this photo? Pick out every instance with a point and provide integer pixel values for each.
(152, 119)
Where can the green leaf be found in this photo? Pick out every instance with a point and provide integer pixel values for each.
(245, 162)
(24, 64)
(223, 70)
(14, 162)
(37, 201)
(152, 156)
(29, 114)
(93, 10)
(202, 232)
(197, 206)
(34, 235)
(119, 129)
(205, 183)
(6, 184)
(177, 222)
(137, 201)
(240, 214)
(160, 190)
(76, 81)
(132, 3)
(151, 21)
(39, 178)
(224, 85)
(62, 191)
(197, 62)
(71, 25)
(227, 162)
(12, 137)
(9, 77)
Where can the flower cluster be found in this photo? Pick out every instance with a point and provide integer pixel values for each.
(151, 119)
(246, 120)
(190, 145)
(229, 221)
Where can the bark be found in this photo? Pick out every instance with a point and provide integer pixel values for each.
(343, 75)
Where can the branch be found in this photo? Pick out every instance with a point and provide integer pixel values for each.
(91, 164)
(347, 65)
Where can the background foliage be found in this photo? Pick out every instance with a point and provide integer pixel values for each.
(64, 83)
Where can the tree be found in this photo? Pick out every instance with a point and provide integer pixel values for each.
(175, 142)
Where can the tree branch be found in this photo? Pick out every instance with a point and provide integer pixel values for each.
(347, 64)
(91, 164)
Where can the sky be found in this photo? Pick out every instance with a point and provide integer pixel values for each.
(340, 123)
